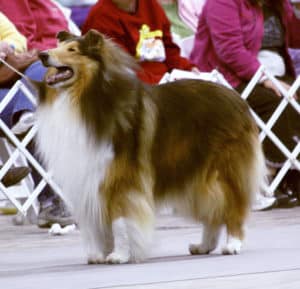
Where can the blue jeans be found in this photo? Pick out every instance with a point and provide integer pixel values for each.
(20, 102)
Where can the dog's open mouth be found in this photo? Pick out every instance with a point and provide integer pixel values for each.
(59, 74)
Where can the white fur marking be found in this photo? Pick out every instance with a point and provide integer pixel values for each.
(79, 164)
(233, 246)
(121, 251)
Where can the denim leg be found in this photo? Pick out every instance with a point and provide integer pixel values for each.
(35, 71)
(5, 115)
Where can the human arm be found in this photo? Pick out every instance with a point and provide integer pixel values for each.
(10, 38)
(235, 32)
(267, 83)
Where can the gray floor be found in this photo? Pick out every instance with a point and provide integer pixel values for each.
(31, 258)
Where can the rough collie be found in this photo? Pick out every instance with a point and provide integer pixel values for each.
(119, 147)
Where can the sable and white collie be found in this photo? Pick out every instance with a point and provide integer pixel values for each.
(119, 147)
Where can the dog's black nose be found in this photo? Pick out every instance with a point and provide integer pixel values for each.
(44, 55)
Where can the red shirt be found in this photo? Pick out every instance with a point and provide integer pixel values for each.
(153, 47)
(38, 20)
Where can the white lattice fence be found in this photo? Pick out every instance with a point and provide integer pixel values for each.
(266, 128)
(20, 148)
(266, 131)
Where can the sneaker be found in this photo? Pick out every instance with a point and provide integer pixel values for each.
(54, 215)
(26, 121)
(290, 184)
(263, 203)
(15, 175)
(7, 208)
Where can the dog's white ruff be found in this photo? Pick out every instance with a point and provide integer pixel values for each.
(79, 164)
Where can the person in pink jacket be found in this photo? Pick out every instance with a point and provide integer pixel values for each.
(39, 21)
(236, 37)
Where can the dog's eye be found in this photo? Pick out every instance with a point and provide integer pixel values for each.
(71, 49)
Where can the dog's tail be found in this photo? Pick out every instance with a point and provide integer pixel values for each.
(235, 178)
(258, 176)
(244, 177)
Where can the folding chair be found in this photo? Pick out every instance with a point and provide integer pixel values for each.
(18, 151)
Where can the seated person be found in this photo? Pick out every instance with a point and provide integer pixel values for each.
(143, 30)
(189, 12)
(229, 39)
(39, 21)
(13, 46)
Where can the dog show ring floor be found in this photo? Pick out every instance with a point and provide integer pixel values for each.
(30, 258)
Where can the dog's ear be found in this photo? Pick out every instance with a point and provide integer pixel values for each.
(64, 35)
(93, 38)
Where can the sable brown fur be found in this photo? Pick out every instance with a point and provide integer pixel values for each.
(191, 144)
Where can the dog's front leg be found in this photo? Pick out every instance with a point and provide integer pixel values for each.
(95, 243)
(121, 242)
(132, 231)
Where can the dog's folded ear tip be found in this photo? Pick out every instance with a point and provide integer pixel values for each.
(93, 37)
(94, 33)
(64, 35)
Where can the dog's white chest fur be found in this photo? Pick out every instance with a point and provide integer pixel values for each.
(70, 151)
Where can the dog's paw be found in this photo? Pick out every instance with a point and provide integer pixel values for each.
(96, 259)
(117, 258)
(232, 248)
(198, 249)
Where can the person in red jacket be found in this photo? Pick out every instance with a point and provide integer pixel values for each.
(142, 28)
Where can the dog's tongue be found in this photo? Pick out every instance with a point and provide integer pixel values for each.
(61, 75)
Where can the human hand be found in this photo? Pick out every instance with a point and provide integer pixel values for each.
(195, 70)
(5, 49)
(270, 85)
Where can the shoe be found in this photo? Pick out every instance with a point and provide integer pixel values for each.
(54, 214)
(26, 121)
(263, 203)
(290, 184)
(7, 208)
(15, 175)
(284, 201)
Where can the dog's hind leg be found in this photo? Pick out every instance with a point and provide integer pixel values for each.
(235, 236)
(210, 238)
